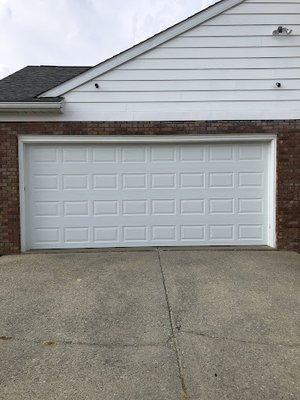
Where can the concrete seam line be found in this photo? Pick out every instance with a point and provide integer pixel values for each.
(173, 330)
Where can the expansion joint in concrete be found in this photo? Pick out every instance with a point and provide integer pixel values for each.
(173, 331)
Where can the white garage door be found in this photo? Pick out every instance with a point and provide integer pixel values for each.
(146, 195)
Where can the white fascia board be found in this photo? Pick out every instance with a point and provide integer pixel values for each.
(31, 107)
(143, 47)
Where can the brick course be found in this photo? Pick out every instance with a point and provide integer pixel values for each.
(288, 164)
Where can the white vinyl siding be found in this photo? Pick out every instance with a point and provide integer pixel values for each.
(225, 68)
(228, 66)
(186, 96)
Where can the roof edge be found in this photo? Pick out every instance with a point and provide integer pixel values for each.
(32, 106)
(148, 44)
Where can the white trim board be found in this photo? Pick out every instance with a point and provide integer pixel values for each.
(143, 47)
(24, 141)
(53, 107)
(253, 137)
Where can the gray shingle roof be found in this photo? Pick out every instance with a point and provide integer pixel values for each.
(27, 83)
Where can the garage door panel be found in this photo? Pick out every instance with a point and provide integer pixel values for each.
(250, 205)
(137, 195)
(104, 220)
(46, 208)
(43, 154)
(46, 237)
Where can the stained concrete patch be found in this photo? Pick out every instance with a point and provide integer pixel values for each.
(109, 298)
(32, 371)
(249, 295)
(225, 369)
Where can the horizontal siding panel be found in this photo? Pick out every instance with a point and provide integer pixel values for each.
(263, 110)
(226, 52)
(186, 96)
(265, 8)
(254, 19)
(182, 106)
(240, 31)
(183, 111)
(255, 41)
(207, 63)
(146, 86)
(154, 75)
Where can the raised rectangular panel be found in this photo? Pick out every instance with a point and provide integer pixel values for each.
(134, 207)
(75, 154)
(163, 232)
(75, 182)
(105, 181)
(192, 232)
(221, 232)
(220, 153)
(135, 233)
(191, 153)
(221, 180)
(104, 154)
(251, 232)
(76, 209)
(134, 154)
(250, 179)
(76, 235)
(188, 207)
(45, 182)
(250, 152)
(221, 206)
(46, 209)
(46, 235)
(162, 153)
(134, 181)
(106, 234)
(105, 207)
(191, 180)
(248, 206)
(44, 154)
(163, 181)
(163, 207)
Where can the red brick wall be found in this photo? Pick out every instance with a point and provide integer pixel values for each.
(288, 162)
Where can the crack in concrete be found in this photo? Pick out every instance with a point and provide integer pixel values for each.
(239, 340)
(54, 342)
(173, 331)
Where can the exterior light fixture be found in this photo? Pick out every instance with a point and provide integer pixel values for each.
(282, 31)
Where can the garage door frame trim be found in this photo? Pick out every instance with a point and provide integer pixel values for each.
(24, 141)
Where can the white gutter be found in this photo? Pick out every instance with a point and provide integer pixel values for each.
(53, 107)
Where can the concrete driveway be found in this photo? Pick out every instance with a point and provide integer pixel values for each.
(156, 324)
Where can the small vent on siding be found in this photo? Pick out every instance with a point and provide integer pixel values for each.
(282, 31)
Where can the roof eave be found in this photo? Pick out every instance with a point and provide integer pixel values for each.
(27, 106)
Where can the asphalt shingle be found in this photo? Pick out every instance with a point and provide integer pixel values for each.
(27, 83)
